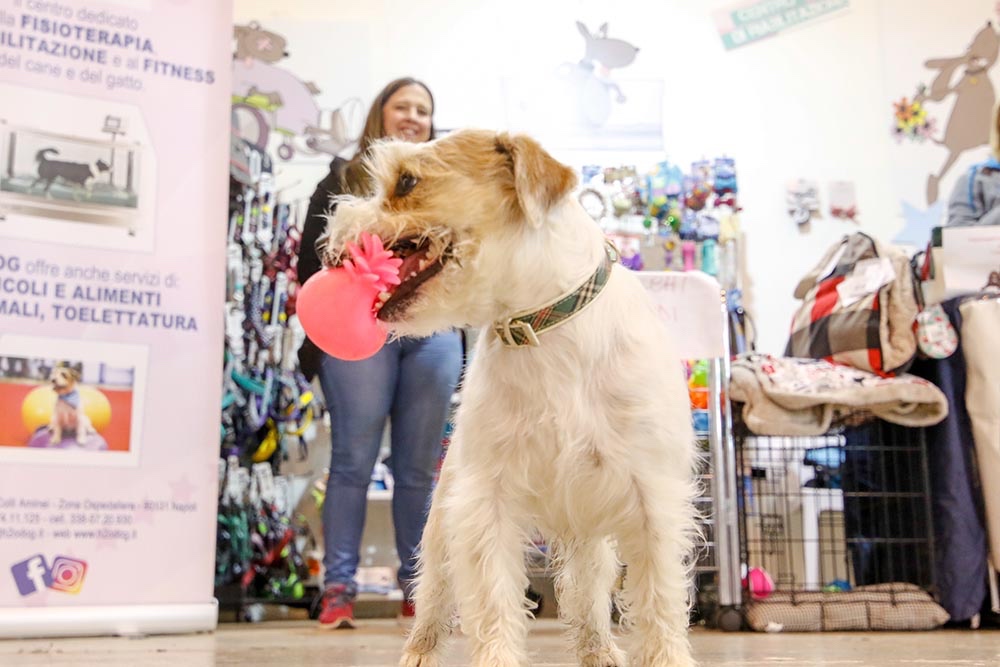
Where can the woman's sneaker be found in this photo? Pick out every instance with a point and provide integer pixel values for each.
(407, 614)
(336, 608)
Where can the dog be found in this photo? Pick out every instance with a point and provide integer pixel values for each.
(76, 173)
(581, 431)
(67, 413)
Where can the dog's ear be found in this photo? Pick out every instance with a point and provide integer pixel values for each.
(540, 181)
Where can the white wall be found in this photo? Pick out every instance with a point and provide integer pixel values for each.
(813, 102)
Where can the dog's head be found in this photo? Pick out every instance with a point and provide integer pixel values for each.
(102, 166)
(253, 41)
(465, 212)
(64, 379)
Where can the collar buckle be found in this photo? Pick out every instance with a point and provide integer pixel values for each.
(505, 332)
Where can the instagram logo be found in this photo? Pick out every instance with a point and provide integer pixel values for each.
(67, 574)
(33, 574)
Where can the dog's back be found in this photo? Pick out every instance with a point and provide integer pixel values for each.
(74, 172)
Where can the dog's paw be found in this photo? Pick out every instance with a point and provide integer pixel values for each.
(678, 661)
(411, 659)
(612, 657)
(683, 662)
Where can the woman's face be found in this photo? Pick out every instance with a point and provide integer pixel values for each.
(407, 114)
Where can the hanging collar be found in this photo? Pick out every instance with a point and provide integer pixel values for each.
(522, 329)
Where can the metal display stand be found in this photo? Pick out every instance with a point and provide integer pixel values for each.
(694, 307)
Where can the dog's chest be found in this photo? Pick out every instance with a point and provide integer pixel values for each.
(66, 415)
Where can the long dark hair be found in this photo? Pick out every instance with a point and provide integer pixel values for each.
(354, 178)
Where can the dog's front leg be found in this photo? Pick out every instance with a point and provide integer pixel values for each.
(433, 599)
(587, 574)
(56, 436)
(83, 428)
(487, 552)
(655, 544)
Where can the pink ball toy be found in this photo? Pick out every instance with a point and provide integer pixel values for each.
(759, 583)
(337, 306)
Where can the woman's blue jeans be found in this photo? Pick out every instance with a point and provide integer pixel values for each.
(411, 382)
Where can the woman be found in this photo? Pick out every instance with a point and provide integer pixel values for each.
(975, 199)
(410, 381)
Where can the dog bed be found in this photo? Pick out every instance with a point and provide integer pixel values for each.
(894, 606)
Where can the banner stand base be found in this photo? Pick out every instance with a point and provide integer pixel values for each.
(125, 620)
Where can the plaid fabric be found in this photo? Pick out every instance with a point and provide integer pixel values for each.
(874, 333)
(523, 326)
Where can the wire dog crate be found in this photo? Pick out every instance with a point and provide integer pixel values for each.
(831, 519)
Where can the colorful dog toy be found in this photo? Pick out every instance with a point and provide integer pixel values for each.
(337, 306)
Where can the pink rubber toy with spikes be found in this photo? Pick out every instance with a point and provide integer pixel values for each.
(337, 306)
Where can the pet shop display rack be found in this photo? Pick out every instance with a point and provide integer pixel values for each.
(679, 222)
(268, 407)
(716, 587)
(259, 557)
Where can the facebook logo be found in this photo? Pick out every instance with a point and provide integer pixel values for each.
(31, 575)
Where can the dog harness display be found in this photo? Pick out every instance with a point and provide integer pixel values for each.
(522, 329)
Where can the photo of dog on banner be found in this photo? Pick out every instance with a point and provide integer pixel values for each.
(578, 378)
(65, 404)
(89, 176)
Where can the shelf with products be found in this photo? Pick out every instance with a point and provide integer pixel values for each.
(269, 410)
(670, 218)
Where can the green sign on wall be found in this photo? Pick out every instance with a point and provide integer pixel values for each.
(754, 21)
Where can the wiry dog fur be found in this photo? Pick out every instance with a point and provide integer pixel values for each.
(587, 437)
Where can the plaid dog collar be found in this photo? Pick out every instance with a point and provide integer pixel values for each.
(522, 329)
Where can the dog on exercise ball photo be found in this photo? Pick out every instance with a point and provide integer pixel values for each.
(573, 374)
(68, 415)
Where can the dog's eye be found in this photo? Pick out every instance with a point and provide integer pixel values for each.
(405, 184)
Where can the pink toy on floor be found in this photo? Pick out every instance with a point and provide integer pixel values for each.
(759, 583)
(337, 306)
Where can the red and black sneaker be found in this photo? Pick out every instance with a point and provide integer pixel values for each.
(407, 614)
(336, 608)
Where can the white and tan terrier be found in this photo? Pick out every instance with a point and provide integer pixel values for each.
(68, 415)
(574, 418)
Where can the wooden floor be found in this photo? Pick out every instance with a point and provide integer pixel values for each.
(378, 642)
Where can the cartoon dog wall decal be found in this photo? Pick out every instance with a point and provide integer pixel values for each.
(256, 74)
(591, 75)
(968, 126)
(259, 82)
